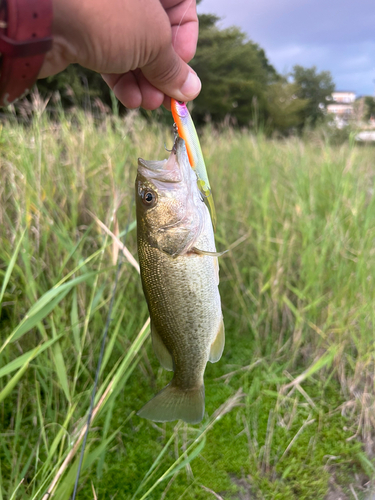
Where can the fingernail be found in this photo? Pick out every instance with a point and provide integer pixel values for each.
(192, 85)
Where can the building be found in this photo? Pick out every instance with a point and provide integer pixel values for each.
(342, 105)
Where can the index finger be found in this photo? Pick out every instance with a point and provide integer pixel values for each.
(184, 22)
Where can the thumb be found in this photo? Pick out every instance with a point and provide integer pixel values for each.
(170, 74)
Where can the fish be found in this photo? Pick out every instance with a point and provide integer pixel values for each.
(180, 277)
(186, 130)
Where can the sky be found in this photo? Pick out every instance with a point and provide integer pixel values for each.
(333, 35)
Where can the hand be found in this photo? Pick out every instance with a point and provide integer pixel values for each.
(141, 47)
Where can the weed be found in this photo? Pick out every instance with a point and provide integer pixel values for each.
(290, 406)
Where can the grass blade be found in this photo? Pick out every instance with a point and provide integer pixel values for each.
(10, 268)
(26, 357)
(13, 382)
(44, 306)
(60, 364)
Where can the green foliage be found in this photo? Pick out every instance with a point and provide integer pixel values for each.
(234, 72)
(289, 407)
(77, 86)
(314, 87)
(284, 107)
(325, 132)
(369, 107)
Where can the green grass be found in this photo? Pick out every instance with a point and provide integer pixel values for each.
(290, 406)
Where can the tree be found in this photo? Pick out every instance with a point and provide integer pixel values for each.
(77, 86)
(234, 72)
(316, 88)
(369, 107)
(284, 107)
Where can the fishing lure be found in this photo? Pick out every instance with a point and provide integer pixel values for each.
(186, 130)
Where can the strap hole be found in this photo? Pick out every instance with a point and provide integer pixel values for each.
(35, 15)
(34, 35)
(27, 64)
(23, 76)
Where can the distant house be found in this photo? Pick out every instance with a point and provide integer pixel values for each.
(342, 105)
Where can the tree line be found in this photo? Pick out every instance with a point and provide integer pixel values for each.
(238, 84)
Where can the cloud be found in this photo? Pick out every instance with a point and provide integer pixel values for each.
(334, 35)
(311, 21)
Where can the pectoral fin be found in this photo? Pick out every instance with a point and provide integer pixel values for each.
(160, 350)
(206, 252)
(217, 345)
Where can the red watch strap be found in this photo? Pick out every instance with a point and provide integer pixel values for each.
(24, 41)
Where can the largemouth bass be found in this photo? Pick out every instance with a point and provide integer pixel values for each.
(180, 278)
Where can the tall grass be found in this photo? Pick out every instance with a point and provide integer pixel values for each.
(290, 407)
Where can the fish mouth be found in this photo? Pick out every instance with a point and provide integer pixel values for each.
(154, 165)
(169, 170)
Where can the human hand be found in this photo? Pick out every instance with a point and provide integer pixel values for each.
(141, 47)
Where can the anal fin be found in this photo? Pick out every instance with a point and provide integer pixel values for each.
(217, 346)
(161, 352)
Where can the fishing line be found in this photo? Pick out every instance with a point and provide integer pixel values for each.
(120, 261)
(182, 18)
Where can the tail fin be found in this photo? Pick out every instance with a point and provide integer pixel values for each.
(172, 403)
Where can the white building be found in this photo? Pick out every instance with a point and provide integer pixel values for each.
(342, 106)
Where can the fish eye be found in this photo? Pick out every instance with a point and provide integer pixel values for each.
(149, 198)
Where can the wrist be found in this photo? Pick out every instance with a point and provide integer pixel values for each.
(25, 37)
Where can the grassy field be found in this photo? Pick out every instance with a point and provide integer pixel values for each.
(290, 408)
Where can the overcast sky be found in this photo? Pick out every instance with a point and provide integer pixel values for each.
(334, 35)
